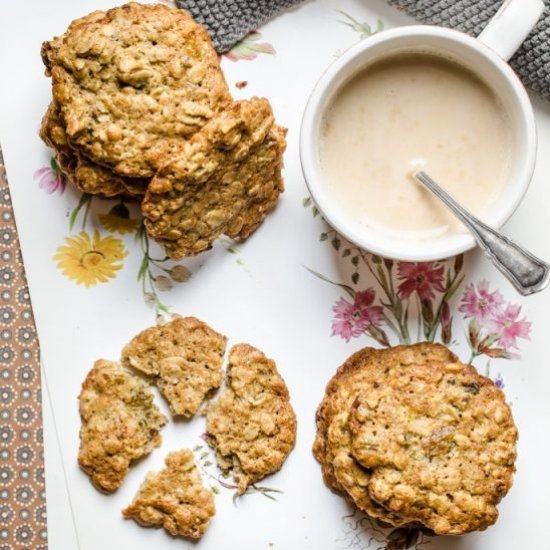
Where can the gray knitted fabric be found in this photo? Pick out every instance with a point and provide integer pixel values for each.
(230, 20)
(532, 60)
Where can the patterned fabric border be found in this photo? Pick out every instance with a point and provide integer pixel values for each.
(22, 487)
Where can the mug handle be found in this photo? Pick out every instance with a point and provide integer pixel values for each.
(511, 25)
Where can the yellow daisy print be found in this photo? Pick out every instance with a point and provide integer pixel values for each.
(90, 261)
(115, 223)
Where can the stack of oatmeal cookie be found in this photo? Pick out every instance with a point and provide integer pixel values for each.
(413, 437)
(141, 110)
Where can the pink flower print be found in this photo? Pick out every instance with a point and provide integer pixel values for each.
(506, 325)
(423, 278)
(346, 323)
(249, 48)
(364, 301)
(352, 319)
(480, 304)
(50, 178)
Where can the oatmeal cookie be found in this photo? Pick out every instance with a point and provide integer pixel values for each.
(185, 358)
(367, 368)
(50, 48)
(120, 423)
(226, 179)
(174, 498)
(271, 187)
(252, 426)
(84, 174)
(134, 82)
(440, 441)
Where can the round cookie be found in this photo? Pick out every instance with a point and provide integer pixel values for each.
(132, 82)
(332, 448)
(440, 442)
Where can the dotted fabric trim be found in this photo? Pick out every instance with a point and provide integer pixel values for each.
(22, 486)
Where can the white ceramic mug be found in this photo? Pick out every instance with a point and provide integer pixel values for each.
(486, 56)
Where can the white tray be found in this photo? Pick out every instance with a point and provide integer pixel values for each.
(260, 292)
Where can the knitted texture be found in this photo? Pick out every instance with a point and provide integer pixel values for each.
(531, 61)
(228, 21)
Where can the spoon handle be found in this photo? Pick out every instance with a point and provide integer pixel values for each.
(525, 271)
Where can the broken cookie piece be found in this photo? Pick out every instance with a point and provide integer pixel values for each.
(120, 423)
(174, 498)
(185, 358)
(252, 426)
(225, 180)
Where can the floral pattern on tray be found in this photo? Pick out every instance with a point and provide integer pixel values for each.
(400, 295)
(384, 301)
(249, 47)
(92, 256)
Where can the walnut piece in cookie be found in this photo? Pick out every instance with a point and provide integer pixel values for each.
(174, 498)
(441, 444)
(252, 426)
(364, 369)
(131, 83)
(225, 180)
(83, 173)
(184, 356)
(120, 423)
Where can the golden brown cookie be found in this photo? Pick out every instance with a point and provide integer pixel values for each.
(84, 174)
(271, 186)
(120, 423)
(332, 447)
(440, 442)
(174, 498)
(185, 358)
(134, 81)
(49, 49)
(252, 426)
(226, 179)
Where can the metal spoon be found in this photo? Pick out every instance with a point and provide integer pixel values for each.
(525, 271)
